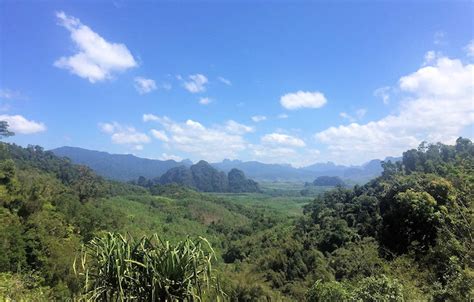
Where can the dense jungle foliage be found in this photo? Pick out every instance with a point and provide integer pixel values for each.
(404, 236)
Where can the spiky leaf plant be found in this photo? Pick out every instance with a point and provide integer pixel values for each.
(116, 268)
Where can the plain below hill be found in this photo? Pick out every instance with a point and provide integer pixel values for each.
(123, 167)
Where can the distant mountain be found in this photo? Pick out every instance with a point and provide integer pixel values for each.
(206, 178)
(129, 167)
(278, 172)
(123, 167)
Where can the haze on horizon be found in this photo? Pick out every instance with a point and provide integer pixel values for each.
(276, 83)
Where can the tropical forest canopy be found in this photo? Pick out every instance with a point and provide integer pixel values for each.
(67, 233)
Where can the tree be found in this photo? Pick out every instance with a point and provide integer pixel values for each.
(4, 132)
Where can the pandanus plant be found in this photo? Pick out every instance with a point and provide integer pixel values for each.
(115, 268)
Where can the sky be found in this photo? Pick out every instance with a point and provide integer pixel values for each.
(274, 81)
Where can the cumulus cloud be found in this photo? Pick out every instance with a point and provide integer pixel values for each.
(282, 116)
(258, 118)
(95, 59)
(209, 143)
(144, 85)
(205, 101)
(225, 81)
(124, 135)
(437, 107)
(303, 99)
(282, 139)
(196, 83)
(20, 125)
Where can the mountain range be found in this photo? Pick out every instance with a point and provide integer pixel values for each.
(126, 167)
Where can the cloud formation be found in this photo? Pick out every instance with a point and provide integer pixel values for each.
(259, 118)
(225, 81)
(383, 93)
(124, 135)
(282, 140)
(237, 128)
(95, 59)
(144, 85)
(205, 101)
(201, 142)
(303, 99)
(20, 125)
(196, 83)
(437, 107)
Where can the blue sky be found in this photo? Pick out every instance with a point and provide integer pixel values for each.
(275, 81)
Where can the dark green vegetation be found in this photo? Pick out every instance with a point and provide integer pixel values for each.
(205, 178)
(405, 236)
(331, 181)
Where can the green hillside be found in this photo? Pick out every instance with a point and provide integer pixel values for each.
(405, 236)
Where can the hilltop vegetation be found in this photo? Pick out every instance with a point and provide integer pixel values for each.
(404, 236)
(333, 181)
(205, 178)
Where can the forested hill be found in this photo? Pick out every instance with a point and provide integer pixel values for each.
(404, 236)
(126, 167)
(123, 167)
(205, 178)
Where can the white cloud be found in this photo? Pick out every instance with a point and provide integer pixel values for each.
(124, 134)
(196, 83)
(144, 85)
(201, 142)
(282, 139)
(383, 93)
(205, 101)
(470, 49)
(303, 99)
(165, 156)
(20, 125)
(96, 59)
(225, 81)
(160, 135)
(150, 117)
(234, 127)
(447, 78)
(282, 116)
(438, 107)
(259, 118)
